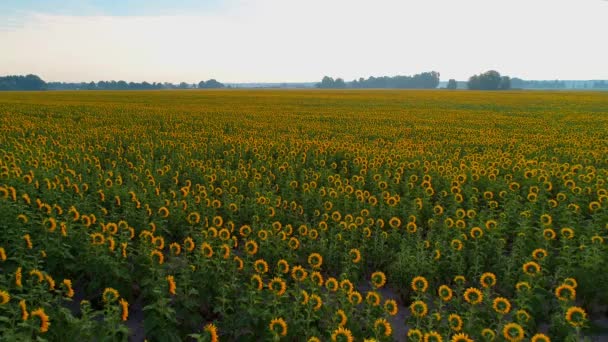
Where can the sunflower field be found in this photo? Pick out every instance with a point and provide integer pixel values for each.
(310, 215)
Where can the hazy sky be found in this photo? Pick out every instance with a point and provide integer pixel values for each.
(284, 40)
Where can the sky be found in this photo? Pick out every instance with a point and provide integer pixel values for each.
(301, 40)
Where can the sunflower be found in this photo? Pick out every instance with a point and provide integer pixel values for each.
(378, 279)
(473, 296)
(501, 305)
(124, 305)
(539, 254)
(97, 239)
(488, 280)
(546, 219)
(193, 218)
(411, 227)
(455, 322)
(355, 298)
(383, 327)
(460, 280)
(522, 316)
(212, 330)
(159, 255)
(549, 234)
(37, 274)
(239, 262)
(278, 327)
(513, 332)
(394, 222)
(207, 250)
(171, 283)
(476, 233)
(415, 335)
(342, 334)
(315, 260)
(110, 295)
(18, 277)
(44, 319)
(567, 233)
(224, 234)
(317, 301)
(175, 248)
(390, 306)
(346, 285)
(277, 285)
(158, 242)
(293, 243)
(522, 286)
(23, 306)
(531, 268)
(540, 338)
(418, 308)
(298, 273)
(438, 210)
(257, 282)
(372, 298)
(419, 284)
(571, 281)
(316, 278)
(433, 336)
(260, 266)
(461, 337)
(251, 247)
(456, 244)
(445, 293)
(488, 334)
(68, 285)
(163, 212)
(565, 292)
(4, 297)
(576, 316)
(283, 266)
(355, 255)
(341, 317)
(331, 284)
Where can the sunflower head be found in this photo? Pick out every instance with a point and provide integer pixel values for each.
(576, 316)
(420, 284)
(418, 308)
(473, 296)
(513, 332)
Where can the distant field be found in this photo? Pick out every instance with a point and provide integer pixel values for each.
(257, 215)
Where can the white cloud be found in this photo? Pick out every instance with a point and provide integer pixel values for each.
(272, 40)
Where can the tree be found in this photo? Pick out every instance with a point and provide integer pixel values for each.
(326, 82)
(210, 84)
(452, 84)
(29, 82)
(505, 83)
(474, 83)
(339, 83)
(489, 80)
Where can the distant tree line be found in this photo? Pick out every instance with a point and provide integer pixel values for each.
(523, 84)
(33, 82)
(600, 85)
(122, 85)
(28, 82)
(425, 80)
